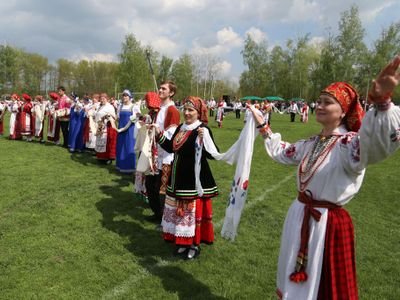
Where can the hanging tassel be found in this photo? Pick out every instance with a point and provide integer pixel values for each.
(300, 275)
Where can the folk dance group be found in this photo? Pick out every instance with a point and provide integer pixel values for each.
(317, 259)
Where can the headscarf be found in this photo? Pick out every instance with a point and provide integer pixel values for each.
(199, 105)
(348, 99)
(54, 96)
(127, 92)
(26, 97)
(15, 96)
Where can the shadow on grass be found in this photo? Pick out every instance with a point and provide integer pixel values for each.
(124, 216)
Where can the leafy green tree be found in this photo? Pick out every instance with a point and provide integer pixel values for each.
(257, 78)
(165, 68)
(182, 75)
(10, 68)
(133, 71)
(66, 74)
(351, 49)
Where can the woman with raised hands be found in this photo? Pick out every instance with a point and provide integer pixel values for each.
(317, 259)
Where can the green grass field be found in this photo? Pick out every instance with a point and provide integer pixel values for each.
(73, 229)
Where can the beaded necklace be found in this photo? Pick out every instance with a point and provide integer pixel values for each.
(314, 158)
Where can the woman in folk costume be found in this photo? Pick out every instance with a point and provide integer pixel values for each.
(38, 112)
(304, 113)
(127, 114)
(187, 217)
(220, 113)
(53, 124)
(317, 258)
(153, 103)
(89, 131)
(106, 135)
(2, 113)
(27, 121)
(77, 119)
(14, 108)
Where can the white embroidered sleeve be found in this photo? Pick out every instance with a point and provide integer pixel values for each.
(379, 137)
(283, 152)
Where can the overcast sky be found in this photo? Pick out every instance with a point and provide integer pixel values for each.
(95, 29)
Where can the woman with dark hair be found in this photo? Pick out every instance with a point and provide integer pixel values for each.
(317, 259)
(187, 217)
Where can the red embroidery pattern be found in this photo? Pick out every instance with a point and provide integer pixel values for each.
(290, 151)
(180, 139)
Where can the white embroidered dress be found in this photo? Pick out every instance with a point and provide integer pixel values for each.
(337, 179)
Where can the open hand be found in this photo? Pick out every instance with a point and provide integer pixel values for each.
(387, 80)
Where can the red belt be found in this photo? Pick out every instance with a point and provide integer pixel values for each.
(310, 210)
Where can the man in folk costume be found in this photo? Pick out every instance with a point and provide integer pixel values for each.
(106, 135)
(293, 109)
(168, 120)
(304, 113)
(211, 106)
(331, 168)
(63, 109)
(53, 124)
(38, 111)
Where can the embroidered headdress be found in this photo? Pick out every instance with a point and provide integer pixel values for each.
(348, 99)
(199, 105)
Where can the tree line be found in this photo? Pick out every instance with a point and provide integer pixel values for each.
(303, 69)
(300, 69)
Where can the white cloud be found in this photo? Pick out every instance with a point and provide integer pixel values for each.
(256, 34)
(223, 68)
(302, 11)
(369, 15)
(107, 57)
(224, 41)
(229, 38)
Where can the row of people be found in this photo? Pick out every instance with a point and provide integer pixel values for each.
(84, 123)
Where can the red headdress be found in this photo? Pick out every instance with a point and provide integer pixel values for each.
(26, 97)
(54, 96)
(199, 105)
(348, 99)
(15, 96)
(153, 101)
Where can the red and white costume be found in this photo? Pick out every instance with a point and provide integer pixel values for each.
(53, 125)
(316, 258)
(304, 113)
(2, 113)
(38, 112)
(106, 135)
(89, 131)
(220, 113)
(14, 108)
